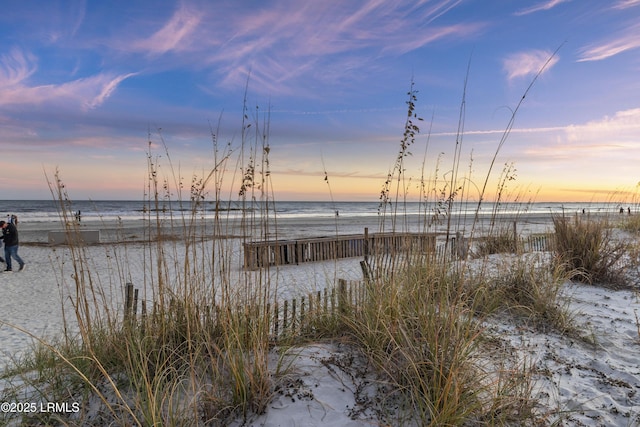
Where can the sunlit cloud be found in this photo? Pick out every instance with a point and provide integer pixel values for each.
(407, 44)
(330, 174)
(108, 86)
(174, 34)
(87, 93)
(611, 135)
(626, 40)
(547, 5)
(625, 4)
(287, 42)
(530, 63)
(622, 125)
(80, 13)
(15, 67)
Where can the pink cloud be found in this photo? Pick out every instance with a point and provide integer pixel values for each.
(524, 64)
(174, 34)
(15, 67)
(626, 40)
(547, 5)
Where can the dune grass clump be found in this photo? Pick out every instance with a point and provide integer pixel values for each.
(587, 250)
(501, 240)
(631, 223)
(422, 332)
(529, 288)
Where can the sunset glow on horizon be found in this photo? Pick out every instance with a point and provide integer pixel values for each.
(84, 87)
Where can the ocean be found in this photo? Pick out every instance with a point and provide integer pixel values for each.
(42, 211)
(106, 210)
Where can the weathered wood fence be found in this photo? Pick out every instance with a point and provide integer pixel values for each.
(537, 242)
(314, 249)
(290, 317)
(299, 315)
(281, 252)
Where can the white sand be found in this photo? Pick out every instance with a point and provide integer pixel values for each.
(587, 385)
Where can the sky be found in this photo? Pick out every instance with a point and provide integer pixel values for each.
(91, 90)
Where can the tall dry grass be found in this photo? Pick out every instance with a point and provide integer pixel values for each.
(422, 323)
(587, 249)
(201, 351)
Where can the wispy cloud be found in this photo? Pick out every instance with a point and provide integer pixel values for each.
(87, 93)
(286, 42)
(15, 67)
(524, 64)
(549, 4)
(625, 4)
(627, 39)
(606, 137)
(174, 35)
(623, 125)
(108, 85)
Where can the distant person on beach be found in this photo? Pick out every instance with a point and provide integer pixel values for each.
(10, 238)
(78, 216)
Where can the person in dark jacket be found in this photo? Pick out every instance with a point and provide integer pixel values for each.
(10, 237)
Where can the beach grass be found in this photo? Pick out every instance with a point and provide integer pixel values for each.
(589, 252)
(200, 347)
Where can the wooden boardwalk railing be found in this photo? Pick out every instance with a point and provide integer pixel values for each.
(281, 252)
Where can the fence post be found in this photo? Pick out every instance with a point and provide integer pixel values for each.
(366, 271)
(366, 244)
(293, 316)
(285, 315)
(134, 309)
(275, 319)
(326, 305)
(342, 295)
(128, 301)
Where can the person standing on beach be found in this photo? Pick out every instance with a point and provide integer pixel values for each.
(10, 237)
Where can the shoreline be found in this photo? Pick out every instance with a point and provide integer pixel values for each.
(138, 230)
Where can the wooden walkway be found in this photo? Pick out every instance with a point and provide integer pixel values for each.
(281, 252)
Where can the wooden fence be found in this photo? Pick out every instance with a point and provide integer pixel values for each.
(537, 242)
(280, 252)
(298, 315)
(290, 317)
